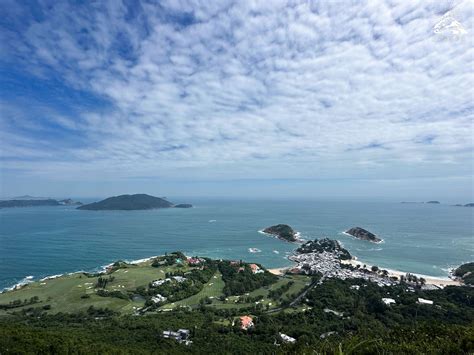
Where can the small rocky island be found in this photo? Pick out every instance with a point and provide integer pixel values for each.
(130, 203)
(282, 231)
(361, 233)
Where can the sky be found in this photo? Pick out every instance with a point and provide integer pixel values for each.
(315, 99)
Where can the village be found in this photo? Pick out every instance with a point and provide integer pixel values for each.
(329, 265)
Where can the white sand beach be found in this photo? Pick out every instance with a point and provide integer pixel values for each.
(430, 280)
(278, 271)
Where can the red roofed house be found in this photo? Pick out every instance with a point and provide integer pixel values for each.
(255, 269)
(246, 322)
(194, 261)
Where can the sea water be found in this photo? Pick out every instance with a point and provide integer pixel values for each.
(420, 238)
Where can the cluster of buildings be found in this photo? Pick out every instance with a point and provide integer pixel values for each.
(158, 298)
(253, 267)
(195, 261)
(329, 265)
(157, 283)
(389, 301)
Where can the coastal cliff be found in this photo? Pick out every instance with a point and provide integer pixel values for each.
(466, 273)
(282, 231)
(363, 234)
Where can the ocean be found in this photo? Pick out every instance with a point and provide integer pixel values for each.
(419, 238)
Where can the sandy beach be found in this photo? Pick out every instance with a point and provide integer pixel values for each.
(430, 280)
(278, 271)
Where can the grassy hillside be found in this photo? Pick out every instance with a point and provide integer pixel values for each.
(128, 288)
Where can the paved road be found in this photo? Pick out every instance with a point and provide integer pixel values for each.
(298, 298)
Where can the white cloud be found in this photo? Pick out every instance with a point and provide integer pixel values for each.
(299, 90)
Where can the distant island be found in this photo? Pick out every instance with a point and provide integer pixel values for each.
(282, 231)
(361, 233)
(69, 202)
(183, 205)
(35, 202)
(434, 202)
(130, 203)
(466, 205)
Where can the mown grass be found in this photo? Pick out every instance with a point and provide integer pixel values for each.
(64, 293)
(212, 289)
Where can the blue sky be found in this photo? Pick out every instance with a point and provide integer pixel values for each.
(317, 99)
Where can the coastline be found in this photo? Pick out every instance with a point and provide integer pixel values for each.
(278, 271)
(430, 280)
(99, 270)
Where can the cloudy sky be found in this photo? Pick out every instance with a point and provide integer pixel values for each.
(323, 99)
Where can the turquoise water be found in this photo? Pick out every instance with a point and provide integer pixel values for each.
(42, 241)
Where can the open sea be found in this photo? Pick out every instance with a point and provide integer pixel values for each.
(420, 238)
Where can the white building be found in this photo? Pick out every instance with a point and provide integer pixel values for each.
(158, 298)
(287, 338)
(423, 301)
(159, 282)
(388, 301)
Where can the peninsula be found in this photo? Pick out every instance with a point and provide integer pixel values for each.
(363, 234)
(282, 231)
(131, 202)
(34, 202)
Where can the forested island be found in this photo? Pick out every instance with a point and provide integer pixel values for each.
(37, 202)
(131, 202)
(363, 234)
(282, 231)
(180, 304)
